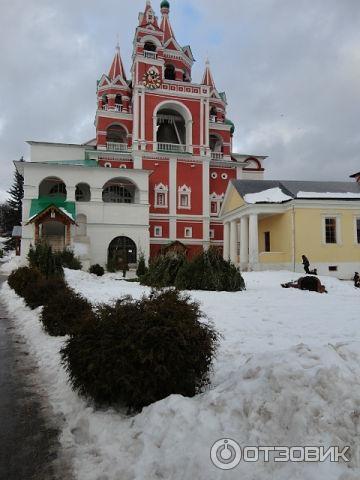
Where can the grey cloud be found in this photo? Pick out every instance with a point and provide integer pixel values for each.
(291, 71)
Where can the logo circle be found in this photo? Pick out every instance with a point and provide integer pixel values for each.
(225, 454)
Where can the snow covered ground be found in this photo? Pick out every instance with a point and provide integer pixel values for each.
(287, 374)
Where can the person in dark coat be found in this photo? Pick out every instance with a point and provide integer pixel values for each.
(306, 264)
(357, 280)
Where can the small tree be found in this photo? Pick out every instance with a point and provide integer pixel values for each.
(141, 269)
(14, 204)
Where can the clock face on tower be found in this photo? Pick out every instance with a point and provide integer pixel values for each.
(151, 79)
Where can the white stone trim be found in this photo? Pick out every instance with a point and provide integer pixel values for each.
(162, 189)
(158, 231)
(338, 227)
(218, 199)
(184, 190)
(188, 232)
(356, 239)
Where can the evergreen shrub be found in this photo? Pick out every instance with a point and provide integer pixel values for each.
(163, 270)
(141, 269)
(67, 259)
(97, 270)
(44, 259)
(206, 271)
(23, 278)
(34, 287)
(66, 313)
(137, 352)
(209, 271)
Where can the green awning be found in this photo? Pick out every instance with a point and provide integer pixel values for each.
(39, 205)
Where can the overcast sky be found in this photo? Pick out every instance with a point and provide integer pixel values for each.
(290, 68)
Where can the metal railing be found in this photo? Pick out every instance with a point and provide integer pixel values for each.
(149, 54)
(171, 147)
(117, 107)
(217, 155)
(117, 147)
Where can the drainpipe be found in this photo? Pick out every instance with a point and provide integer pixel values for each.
(293, 238)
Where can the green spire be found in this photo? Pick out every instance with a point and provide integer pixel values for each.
(165, 4)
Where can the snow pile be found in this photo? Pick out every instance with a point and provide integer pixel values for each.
(272, 195)
(9, 263)
(347, 195)
(287, 374)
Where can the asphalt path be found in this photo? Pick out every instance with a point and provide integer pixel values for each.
(29, 432)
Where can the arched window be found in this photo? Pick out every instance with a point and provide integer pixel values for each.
(53, 187)
(213, 114)
(119, 191)
(150, 47)
(105, 102)
(186, 76)
(82, 193)
(118, 103)
(171, 127)
(122, 251)
(169, 72)
(216, 143)
(116, 138)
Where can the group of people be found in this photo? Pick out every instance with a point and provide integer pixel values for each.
(306, 264)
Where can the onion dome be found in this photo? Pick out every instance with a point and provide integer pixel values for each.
(232, 124)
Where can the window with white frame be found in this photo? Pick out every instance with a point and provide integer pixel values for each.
(357, 230)
(215, 203)
(188, 232)
(331, 230)
(161, 196)
(157, 231)
(214, 208)
(212, 234)
(184, 197)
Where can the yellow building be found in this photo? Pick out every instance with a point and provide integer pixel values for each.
(269, 225)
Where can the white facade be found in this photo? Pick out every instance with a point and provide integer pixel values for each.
(97, 222)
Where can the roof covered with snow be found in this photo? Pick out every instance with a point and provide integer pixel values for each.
(280, 191)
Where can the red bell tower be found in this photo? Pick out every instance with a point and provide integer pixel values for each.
(162, 121)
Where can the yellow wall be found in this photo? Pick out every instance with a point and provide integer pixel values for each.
(280, 228)
(309, 235)
(233, 201)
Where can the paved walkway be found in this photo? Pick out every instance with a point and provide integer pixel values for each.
(28, 435)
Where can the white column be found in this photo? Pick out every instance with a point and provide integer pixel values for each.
(173, 197)
(202, 129)
(244, 241)
(234, 242)
(70, 197)
(253, 241)
(136, 117)
(206, 202)
(142, 135)
(226, 241)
